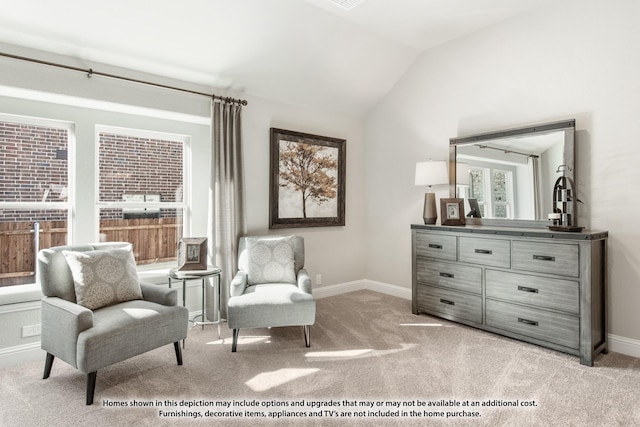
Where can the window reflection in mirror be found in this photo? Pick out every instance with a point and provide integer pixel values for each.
(511, 173)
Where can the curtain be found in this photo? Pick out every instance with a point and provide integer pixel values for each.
(535, 171)
(227, 218)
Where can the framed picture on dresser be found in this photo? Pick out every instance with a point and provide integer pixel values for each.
(452, 211)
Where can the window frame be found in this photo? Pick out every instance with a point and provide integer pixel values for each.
(14, 293)
(84, 114)
(185, 205)
(486, 204)
(508, 203)
(71, 148)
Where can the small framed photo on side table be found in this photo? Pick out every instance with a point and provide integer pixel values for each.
(192, 253)
(452, 211)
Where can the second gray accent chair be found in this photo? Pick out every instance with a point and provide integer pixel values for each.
(91, 339)
(271, 287)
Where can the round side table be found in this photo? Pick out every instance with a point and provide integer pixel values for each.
(203, 276)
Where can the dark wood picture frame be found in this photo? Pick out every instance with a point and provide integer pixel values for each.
(306, 180)
(192, 253)
(452, 211)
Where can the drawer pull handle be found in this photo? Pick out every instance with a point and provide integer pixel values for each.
(449, 275)
(544, 258)
(527, 321)
(434, 246)
(446, 301)
(484, 251)
(527, 289)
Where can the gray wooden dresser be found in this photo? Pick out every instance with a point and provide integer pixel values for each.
(547, 288)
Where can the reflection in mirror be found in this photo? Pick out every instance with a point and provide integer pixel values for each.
(510, 174)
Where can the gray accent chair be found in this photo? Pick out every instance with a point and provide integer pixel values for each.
(91, 340)
(266, 305)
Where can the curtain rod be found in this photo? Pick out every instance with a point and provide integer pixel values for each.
(90, 72)
(507, 151)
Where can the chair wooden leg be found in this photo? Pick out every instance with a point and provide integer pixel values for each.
(91, 386)
(176, 345)
(307, 335)
(234, 344)
(47, 366)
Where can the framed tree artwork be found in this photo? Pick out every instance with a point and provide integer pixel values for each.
(307, 180)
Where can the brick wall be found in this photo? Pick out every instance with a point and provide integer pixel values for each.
(134, 165)
(31, 169)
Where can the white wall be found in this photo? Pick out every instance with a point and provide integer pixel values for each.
(337, 253)
(577, 59)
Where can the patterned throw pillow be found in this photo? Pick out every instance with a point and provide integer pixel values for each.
(104, 277)
(270, 260)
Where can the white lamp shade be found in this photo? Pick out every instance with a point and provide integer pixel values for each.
(432, 173)
(462, 174)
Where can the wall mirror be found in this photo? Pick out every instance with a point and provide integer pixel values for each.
(507, 177)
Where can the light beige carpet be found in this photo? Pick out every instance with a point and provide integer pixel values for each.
(367, 348)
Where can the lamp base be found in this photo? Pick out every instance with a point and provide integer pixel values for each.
(430, 213)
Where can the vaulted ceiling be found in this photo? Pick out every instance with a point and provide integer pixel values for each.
(310, 53)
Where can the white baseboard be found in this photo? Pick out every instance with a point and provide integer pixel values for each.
(624, 345)
(342, 288)
(19, 354)
(22, 353)
(359, 285)
(387, 289)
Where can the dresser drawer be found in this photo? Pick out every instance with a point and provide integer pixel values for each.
(556, 294)
(449, 275)
(436, 246)
(450, 303)
(489, 252)
(552, 258)
(561, 329)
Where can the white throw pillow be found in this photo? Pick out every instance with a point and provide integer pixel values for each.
(104, 277)
(271, 260)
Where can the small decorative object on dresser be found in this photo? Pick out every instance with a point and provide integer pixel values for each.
(192, 253)
(530, 284)
(475, 209)
(428, 174)
(564, 203)
(452, 211)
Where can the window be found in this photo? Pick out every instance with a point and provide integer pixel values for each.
(478, 188)
(35, 194)
(493, 188)
(502, 186)
(142, 190)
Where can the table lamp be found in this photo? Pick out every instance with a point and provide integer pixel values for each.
(462, 180)
(431, 173)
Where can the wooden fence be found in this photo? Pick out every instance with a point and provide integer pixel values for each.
(154, 240)
(17, 259)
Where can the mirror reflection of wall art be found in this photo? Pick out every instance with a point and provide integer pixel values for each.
(192, 253)
(307, 180)
(452, 211)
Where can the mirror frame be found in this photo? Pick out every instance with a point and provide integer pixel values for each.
(568, 126)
